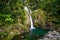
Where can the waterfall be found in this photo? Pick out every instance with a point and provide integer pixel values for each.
(31, 22)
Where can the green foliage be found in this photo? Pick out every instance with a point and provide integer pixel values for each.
(6, 18)
(12, 10)
(3, 35)
(52, 8)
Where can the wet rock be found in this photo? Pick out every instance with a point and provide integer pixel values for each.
(51, 35)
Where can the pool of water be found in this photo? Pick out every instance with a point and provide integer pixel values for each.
(34, 34)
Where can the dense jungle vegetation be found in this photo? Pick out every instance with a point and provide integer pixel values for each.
(14, 18)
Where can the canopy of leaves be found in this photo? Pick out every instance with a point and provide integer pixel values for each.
(52, 8)
(10, 10)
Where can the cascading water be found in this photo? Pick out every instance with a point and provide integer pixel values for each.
(34, 33)
(26, 8)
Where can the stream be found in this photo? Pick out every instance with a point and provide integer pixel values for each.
(37, 33)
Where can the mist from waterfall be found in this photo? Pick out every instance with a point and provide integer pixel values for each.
(31, 22)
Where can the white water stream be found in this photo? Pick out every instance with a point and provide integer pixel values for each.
(31, 22)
